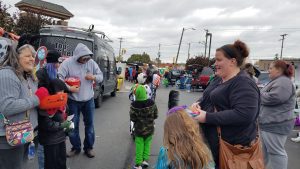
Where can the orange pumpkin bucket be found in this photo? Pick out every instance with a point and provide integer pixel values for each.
(54, 101)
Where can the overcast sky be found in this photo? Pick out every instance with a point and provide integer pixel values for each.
(145, 23)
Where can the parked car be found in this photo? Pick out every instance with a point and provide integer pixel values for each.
(203, 78)
(263, 79)
(64, 39)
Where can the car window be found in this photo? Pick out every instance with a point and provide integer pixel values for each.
(207, 71)
(263, 77)
(176, 72)
(64, 45)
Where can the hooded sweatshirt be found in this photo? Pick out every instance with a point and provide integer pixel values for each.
(72, 68)
(143, 114)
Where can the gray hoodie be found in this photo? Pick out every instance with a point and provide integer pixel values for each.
(72, 68)
(277, 106)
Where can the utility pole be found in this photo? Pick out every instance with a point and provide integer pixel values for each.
(210, 36)
(206, 30)
(189, 51)
(121, 40)
(181, 41)
(283, 35)
(179, 46)
(158, 60)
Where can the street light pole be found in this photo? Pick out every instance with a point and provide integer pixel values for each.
(183, 29)
(121, 40)
(189, 51)
(158, 55)
(205, 42)
(179, 46)
(210, 36)
(283, 35)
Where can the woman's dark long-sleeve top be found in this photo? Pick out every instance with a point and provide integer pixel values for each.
(209, 130)
(237, 102)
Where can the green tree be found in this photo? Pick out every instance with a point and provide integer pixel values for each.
(143, 58)
(198, 63)
(7, 21)
(21, 23)
(31, 23)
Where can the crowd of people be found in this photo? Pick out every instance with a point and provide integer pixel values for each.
(232, 114)
(24, 96)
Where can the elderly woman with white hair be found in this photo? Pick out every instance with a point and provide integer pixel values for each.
(17, 87)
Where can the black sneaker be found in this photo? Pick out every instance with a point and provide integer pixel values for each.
(89, 153)
(73, 153)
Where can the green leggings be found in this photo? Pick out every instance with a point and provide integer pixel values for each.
(142, 149)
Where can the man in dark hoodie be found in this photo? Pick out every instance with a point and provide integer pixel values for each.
(81, 99)
(143, 112)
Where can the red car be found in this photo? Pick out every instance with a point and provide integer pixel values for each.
(203, 78)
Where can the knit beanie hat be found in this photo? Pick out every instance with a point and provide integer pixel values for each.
(52, 56)
(57, 85)
(140, 93)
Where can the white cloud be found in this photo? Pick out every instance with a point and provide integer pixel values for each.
(245, 13)
(207, 13)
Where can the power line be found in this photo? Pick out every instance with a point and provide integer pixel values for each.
(253, 29)
(166, 45)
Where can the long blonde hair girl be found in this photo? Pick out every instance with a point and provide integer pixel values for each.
(182, 138)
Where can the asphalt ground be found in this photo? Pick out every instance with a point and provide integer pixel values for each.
(114, 147)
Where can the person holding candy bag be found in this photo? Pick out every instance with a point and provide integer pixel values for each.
(53, 125)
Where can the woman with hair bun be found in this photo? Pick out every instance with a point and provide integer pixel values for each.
(276, 119)
(231, 101)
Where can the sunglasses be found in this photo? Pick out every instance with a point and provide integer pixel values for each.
(85, 58)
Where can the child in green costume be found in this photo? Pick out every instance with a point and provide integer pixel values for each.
(143, 112)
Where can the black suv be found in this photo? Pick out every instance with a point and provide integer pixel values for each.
(64, 39)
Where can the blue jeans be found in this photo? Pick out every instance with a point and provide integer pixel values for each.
(40, 155)
(87, 108)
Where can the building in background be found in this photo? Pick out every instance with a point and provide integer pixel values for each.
(40, 7)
